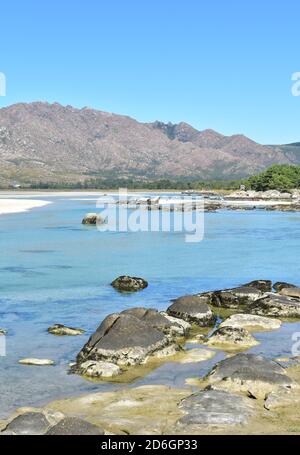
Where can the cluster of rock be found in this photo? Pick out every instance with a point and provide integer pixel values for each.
(45, 422)
(134, 336)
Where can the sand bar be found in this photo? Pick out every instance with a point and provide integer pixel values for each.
(8, 206)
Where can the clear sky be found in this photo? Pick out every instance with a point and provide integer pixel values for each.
(223, 64)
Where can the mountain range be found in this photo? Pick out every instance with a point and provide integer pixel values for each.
(42, 142)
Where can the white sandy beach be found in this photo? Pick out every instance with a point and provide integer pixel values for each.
(17, 206)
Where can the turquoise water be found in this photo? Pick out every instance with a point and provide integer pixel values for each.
(54, 270)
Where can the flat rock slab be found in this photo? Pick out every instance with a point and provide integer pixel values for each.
(276, 305)
(36, 362)
(215, 407)
(30, 423)
(74, 426)
(251, 322)
(193, 309)
(249, 373)
(62, 330)
(231, 338)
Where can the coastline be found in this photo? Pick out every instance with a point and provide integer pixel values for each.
(11, 206)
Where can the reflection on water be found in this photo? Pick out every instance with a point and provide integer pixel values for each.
(71, 286)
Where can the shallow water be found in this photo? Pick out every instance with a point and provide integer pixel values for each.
(54, 270)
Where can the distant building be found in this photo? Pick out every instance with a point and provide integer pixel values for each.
(242, 188)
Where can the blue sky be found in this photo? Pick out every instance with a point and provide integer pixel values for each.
(223, 64)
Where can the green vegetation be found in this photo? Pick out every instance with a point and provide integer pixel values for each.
(281, 177)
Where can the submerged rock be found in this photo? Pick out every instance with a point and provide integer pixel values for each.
(193, 309)
(215, 407)
(74, 426)
(127, 283)
(232, 338)
(37, 362)
(197, 355)
(129, 338)
(93, 219)
(249, 373)
(276, 305)
(61, 330)
(251, 322)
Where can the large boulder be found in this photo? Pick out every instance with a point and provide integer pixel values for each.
(127, 283)
(193, 309)
(276, 305)
(128, 338)
(249, 373)
(32, 422)
(230, 338)
(251, 322)
(214, 407)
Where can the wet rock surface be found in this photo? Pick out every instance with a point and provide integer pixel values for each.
(31, 423)
(214, 407)
(231, 338)
(127, 283)
(276, 305)
(193, 309)
(235, 297)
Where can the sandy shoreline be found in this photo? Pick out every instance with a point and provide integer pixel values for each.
(8, 206)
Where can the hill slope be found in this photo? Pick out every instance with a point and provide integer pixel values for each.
(51, 143)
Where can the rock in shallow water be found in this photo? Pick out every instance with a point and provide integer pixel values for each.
(36, 362)
(93, 219)
(251, 322)
(290, 292)
(62, 330)
(215, 407)
(129, 338)
(193, 309)
(276, 305)
(231, 338)
(127, 283)
(98, 369)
